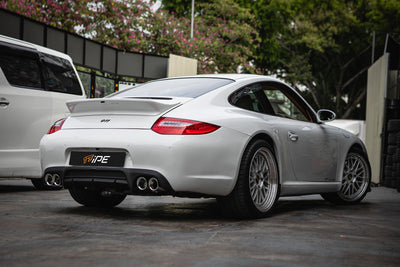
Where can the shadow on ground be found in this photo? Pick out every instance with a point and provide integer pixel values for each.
(202, 210)
(16, 188)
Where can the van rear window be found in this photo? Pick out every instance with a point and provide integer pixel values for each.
(59, 75)
(21, 67)
(24, 67)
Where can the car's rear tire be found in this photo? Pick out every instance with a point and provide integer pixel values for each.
(93, 198)
(257, 186)
(41, 184)
(356, 180)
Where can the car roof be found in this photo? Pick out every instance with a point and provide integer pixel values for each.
(231, 76)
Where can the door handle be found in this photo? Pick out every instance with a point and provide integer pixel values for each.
(4, 102)
(293, 137)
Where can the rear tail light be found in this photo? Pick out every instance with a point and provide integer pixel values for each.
(56, 126)
(182, 127)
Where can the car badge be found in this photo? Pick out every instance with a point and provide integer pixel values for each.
(105, 120)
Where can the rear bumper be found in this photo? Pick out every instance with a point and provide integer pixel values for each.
(203, 165)
(122, 180)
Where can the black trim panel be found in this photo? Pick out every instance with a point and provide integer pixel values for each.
(122, 179)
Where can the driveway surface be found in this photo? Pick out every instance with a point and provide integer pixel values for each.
(48, 228)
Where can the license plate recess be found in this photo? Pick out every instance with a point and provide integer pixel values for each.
(98, 158)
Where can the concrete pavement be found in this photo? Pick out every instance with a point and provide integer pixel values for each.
(47, 228)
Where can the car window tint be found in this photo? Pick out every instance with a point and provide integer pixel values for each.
(180, 87)
(59, 75)
(284, 105)
(252, 98)
(21, 67)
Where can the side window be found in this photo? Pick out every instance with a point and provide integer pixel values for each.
(59, 75)
(21, 67)
(252, 98)
(285, 105)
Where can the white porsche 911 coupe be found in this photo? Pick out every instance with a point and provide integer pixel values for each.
(243, 139)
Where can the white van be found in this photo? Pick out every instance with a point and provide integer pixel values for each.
(35, 82)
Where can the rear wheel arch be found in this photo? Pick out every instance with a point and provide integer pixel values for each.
(264, 137)
(258, 172)
(267, 138)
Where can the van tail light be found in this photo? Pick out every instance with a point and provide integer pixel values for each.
(56, 126)
(182, 127)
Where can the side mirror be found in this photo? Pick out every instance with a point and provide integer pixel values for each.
(326, 115)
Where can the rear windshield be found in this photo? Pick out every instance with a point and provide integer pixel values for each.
(59, 75)
(180, 87)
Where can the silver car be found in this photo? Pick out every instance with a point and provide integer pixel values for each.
(243, 139)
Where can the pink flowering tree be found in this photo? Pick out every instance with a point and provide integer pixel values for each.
(224, 37)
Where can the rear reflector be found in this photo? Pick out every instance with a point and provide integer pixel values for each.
(182, 127)
(56, 126)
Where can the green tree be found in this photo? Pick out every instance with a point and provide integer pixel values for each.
(322, 45)
(234, 39)
(224, 32)
(319, 49)
(181, 7)
(223, 39)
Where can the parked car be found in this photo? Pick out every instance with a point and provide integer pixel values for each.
(243, 139)
(35, 82)
(356, 127)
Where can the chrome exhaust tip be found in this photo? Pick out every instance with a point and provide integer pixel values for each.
(57, 180)
(153, 184)
(53, 180)
(49, 179)
(141, 183)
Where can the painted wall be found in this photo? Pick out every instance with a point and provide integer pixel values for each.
(181, 66)
(376, 94)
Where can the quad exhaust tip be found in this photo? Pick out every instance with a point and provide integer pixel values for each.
(52, 179)
(153, 184)
(141, 183)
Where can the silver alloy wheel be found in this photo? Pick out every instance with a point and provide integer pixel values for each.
(263, 179)
(355, 177)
